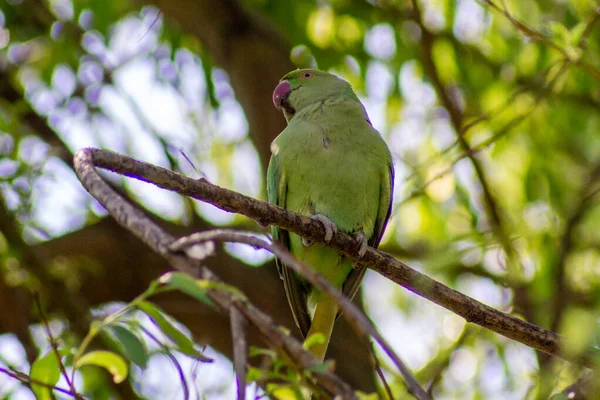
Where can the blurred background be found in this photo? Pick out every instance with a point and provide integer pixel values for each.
(491, 111)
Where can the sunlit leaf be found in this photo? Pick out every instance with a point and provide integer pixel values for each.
(316, 338)
(367, 396)
(579, 327)
(112, 362)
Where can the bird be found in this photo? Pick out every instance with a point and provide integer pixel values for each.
(332, 165)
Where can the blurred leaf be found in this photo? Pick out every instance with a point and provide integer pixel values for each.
(257, 351)
(283, 392)
(129, 344)
(328, 365)
(445, 60)
(302, 57)
(559, 33)
(579, 327)
(45, 369)
(188, 285)
(182, 342)
(315, 338)
(367, 396)
(112, 362)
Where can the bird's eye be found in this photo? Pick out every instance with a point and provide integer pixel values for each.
(307, 75)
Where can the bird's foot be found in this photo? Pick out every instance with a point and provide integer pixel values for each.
(328, 225)
(363, 244)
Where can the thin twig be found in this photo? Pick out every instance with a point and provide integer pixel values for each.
(354, 316)
(24, 378)
(240, 350)
(536, 35)
(54, 346)
(567, 242)
(169, 354)
(491, 206)
(501, 132)
(380, 374)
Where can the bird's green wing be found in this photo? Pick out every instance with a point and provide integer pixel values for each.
(386, 191)
(294, 288)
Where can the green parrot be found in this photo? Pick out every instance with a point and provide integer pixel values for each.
(330, 164)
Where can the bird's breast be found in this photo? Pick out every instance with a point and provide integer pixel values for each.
(341, 181)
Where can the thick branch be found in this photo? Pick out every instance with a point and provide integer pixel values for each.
(227, 200)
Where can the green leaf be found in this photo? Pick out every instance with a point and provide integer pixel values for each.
(128, 344)
(183, 343)
(302, 57)
(326, 366)
(578, 327)
(112, 362)
(188, 285)
(577, 32)
(559, 396)
(315, 338)
(257, 351)
(559, 33)
(283, 392)
(366, 396)
(254, 374)
(45, 369)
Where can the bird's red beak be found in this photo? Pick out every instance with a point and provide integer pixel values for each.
(281, 93)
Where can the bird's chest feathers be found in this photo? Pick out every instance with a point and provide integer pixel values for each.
(327, 173)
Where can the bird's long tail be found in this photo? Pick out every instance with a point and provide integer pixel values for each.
(322, 322)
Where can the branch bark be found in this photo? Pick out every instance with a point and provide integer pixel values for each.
(470, 309)
(355, 317)
(159, 240)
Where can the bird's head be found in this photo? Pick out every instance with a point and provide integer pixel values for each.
(303, 87)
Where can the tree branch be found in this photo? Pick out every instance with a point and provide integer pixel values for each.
(491, 206)
(157, 239)
(356, 318)
(562, 290)
(470, 309)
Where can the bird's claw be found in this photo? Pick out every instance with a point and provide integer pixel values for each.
(328, 225)
(363, 244)
(307, 242)
(262, 223)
